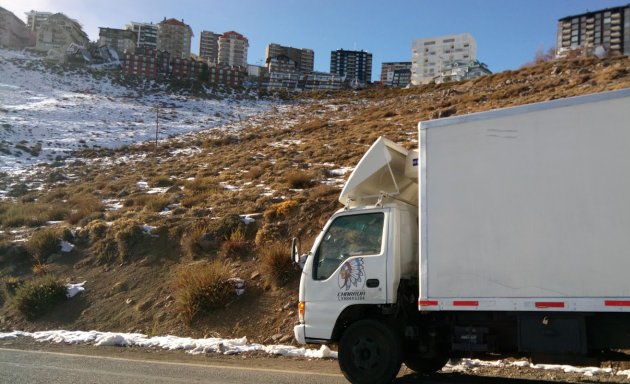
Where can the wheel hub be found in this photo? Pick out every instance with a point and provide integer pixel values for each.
(366, 353)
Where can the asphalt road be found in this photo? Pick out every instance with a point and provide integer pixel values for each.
(23, 362)
(22, 367)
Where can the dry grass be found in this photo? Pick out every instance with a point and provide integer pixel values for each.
(156, 203)
(11, 284)
(276, 264)
(162, 181)
(84, 208)
(43, 243)
(40, 269)
(29, 214)
(202, 287)
(121, 241)
(128, 235)
(236, 247)
(280, 210)
(197, 241)
(299, 179)
(254, 173)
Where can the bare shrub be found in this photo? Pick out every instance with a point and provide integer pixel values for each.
(299, 179)
(156, 203)
(197, 241)
(197, 199)
(43, 243)
(163, 181)
(276, 264)
(40, 269)
(23, 214)
(119, 241)
(202, 287)
(224, 227)
(128, 234)
(236, 247)
(203, 184)
(322, 191)
(84, 206)
(253, 173)
(36, 297)
(280, 210)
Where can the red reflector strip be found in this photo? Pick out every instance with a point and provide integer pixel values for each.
(617, 303)
(427, 303)
(464, 303)
(549, 304)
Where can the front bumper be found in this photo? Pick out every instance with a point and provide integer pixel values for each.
(299, 332)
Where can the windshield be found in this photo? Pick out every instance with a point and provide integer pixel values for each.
(347, 236)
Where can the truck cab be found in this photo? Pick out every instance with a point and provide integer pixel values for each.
(359, 259)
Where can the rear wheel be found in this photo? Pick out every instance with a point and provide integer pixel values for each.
(370, 352)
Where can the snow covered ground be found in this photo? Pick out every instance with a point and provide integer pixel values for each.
(45, 114)
(241, 345)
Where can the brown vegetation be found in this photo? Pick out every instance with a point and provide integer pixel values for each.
(278, 168)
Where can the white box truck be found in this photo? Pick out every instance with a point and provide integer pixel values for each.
(508, 231)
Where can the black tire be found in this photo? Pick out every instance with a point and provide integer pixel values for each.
(425, 366)
(369, 353)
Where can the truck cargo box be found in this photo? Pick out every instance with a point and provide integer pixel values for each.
(527, 208)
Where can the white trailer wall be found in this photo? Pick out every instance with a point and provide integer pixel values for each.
(531, 201)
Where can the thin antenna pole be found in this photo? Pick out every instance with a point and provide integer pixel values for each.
(157, 125)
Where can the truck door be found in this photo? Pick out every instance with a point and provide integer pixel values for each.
(348, 266)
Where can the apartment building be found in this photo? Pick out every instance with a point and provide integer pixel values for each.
(394, 74)
(174, 37)
(431, 55)
(186, 68)
(462, 70)
(232, 76)
(354, 66)
(401, 78)
(34, 19)
(233, 49)
(121, 40)
(321, 81)
(58, 32)
(146, 34)
(606, 30)
(282, 80)
(13, 31)
(282, 63)
(146, 62)
(303, 57)
(209, 46)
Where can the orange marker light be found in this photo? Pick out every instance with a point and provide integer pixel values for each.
(301, 309)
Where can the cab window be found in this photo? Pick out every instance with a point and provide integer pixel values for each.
(347, 236)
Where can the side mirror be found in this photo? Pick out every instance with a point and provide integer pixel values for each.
(295, 250)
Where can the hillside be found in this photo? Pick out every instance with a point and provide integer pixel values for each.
(47, 110)
(146, 221)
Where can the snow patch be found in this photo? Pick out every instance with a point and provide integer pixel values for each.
(74, 289)
(190, 345)
(463, 365)
(66, 246)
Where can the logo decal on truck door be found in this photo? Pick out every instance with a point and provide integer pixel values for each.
(352, 274)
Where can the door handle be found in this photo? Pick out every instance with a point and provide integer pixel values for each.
(372, 283)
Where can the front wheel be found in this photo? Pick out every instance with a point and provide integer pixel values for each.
(369, 353)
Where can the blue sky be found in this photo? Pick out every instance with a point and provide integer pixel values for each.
(508, 32)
